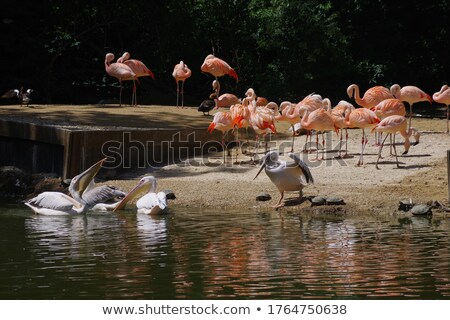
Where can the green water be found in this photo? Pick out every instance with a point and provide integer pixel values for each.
(217, 254)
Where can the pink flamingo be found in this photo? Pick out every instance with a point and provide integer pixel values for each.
(181, 72)
(224, 100)
(392, 125)
(286, 110)
(371, 97)
(120, 71)
(261, 119)
(139, 68)
(217, 67)
(338, 114)
(318, 120)
(364, 119)
(389, 107)
(443, 96)
(241, 119)
(311, 102)
(222, 122)
(386, 108)
(410, 94)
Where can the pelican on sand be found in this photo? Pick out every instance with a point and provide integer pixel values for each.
(293, 176)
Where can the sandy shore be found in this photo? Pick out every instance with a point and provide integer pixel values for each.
(422, 176)
(208, 183)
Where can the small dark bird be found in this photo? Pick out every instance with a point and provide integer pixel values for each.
(24, 97)
(206, 106)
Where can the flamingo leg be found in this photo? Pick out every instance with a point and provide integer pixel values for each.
(363, 145)
(323, 146)
(255, 149)
(293, 137)
(395, 152)
(346, 142)
(134, 95)
(340, 144)
(223, 148)
(379, 152)
(448, 113)
(410, 114)
(317, 145)
(390, 138)
(182, 94)
(178, 92)
(120, 94)
(306, 142)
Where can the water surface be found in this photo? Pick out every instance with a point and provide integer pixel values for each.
(194, 254)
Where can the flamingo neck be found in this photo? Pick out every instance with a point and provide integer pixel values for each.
(357, 96)
(305, 118)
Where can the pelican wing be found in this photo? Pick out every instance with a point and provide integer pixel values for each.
(152, 201)
(101, 194)
(302, 165)
(54, 200)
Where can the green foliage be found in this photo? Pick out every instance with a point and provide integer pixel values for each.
(283, 49)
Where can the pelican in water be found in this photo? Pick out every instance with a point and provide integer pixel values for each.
(102, 198)
(151, 203)
(58, 203)
(293, 176)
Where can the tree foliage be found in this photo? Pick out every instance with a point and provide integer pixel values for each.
(283, 49)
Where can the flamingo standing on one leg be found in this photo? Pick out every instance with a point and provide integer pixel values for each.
(364, 119)
(223, 122)
(443, 96)
(410, 94)
(392, 125)
(120, 71)
(139, 68)
(181, 72)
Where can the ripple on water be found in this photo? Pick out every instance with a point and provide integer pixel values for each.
(195, 254)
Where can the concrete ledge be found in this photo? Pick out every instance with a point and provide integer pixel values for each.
(66, 151)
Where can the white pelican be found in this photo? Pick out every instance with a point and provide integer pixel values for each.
(57, 203)
(286, 176)
(150, 203)
(100, 198)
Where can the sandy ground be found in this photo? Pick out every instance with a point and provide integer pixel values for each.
(209, 184)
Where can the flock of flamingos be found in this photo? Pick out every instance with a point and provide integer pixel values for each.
(383, 110)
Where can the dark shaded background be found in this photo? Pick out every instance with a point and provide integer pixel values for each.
(283, 49)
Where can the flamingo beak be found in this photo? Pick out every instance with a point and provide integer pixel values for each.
(260, 169)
